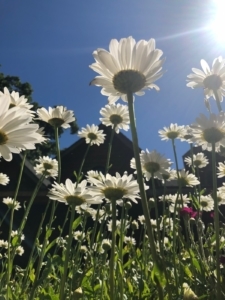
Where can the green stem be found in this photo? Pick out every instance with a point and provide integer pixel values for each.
(9, 265)
(82, 163)
(112, 258)
(30, 264)
(144, 202)
(58, 153)
(109, 150)
(216, 222)
(64, 277)
(217, 101)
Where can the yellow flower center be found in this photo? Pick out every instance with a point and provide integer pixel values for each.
(128, 81)
(92, 136)
(114, 194)
(172, 134)
(11, 105)
(152, 167)
(204, 203)
(212, 82)
(213, 135)
(72, 199)
(47, 166)
(197, 163)
(56, 122)
(182, 181)
(115, 119)
(3, 138)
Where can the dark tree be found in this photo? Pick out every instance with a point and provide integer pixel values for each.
(13, 83)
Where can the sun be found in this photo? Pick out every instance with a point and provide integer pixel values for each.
(218, 23)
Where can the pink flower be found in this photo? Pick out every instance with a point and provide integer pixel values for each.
(188, 211)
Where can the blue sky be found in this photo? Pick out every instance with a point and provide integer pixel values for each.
(50, 43)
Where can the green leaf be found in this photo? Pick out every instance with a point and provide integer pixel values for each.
(76, 222)
(32, 275)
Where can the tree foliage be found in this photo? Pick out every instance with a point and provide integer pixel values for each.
(13, 83)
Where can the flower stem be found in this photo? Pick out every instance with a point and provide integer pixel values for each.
(112, 257)
(64, 277)
(217, 101)
(82, 163)
(140, 180)
(58, 152)
(109, 150)
(9, 265)
(216, 222)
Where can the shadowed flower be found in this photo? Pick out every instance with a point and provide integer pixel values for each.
(92, 135)
(127, 67)
(57, 117)
(153, 164)
(213, 81)
(115, 115)
(186, 179)
(207, 131)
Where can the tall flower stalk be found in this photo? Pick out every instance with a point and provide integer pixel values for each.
(10, 261)
(216, 223)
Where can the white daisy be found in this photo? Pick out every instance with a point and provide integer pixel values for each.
(177, 201)
(18, 101)
(211, 80)
(187, 134)
(57, 117)
(115, 115)
(169, 175)
(207, 131)
(16, 233)
(153, 164)
(141, 219)
(129, 240)
(19, 250)
(47, 166)
(126, 225)
(94, 174)
(127, 67)
(220, 197)
(72, 193)
(11, 203)
(134, 225)
(15, 131)
(4, 179)
(3, 244)
(106, 244)
(199, 160)
(173, 199)
(79, 235)
(186, 179)
(172, 132)
(92, 134)
(221, 170)
(114, 188)
(206, 203)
